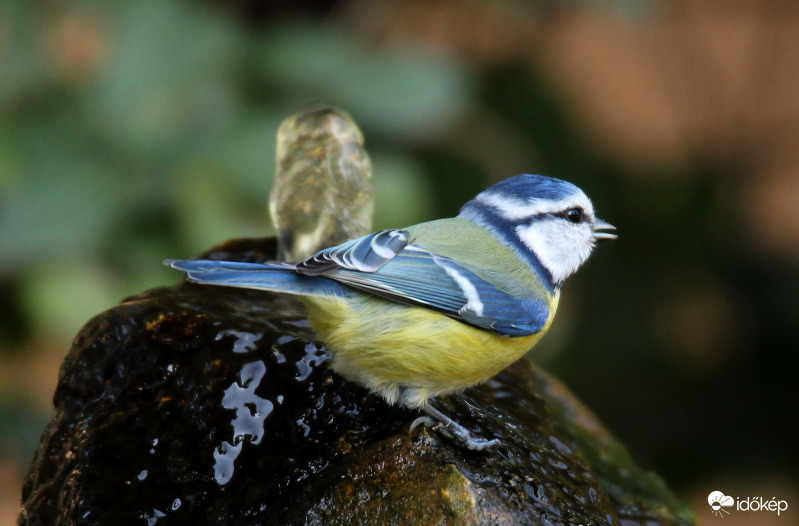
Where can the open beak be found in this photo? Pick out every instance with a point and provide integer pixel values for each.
(600, 225)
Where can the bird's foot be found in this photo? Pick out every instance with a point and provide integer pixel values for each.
(435, 419)
(425, 421)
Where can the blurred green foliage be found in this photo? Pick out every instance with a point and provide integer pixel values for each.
(155, 135)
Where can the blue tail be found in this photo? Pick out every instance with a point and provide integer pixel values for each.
(276, 277)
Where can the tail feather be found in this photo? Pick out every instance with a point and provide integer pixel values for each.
(276, 277)
(206, 265)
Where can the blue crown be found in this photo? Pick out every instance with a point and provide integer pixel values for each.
(526, 187)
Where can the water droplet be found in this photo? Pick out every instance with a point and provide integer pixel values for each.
(243, 342)
(306, 429)
(153, 517)
(251, 409)
(313, 356)
(592, 495)
(248, 424)
(530, 490)
(279, 356)
(224, 458)
(563, 448)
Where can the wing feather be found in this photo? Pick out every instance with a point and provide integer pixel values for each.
(365, 254)
(416, 277)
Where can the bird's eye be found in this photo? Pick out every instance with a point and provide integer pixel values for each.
(574, 215)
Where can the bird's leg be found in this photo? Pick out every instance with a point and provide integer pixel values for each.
(438, 420)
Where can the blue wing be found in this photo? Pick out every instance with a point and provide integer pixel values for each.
(385, 264)
(417, 277)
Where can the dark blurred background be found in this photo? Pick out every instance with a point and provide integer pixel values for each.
(137, 130)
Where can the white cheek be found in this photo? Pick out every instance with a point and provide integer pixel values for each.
(561, 248)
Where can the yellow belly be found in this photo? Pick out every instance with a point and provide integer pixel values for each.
(411, 353)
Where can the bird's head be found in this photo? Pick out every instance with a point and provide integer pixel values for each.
(551, 220)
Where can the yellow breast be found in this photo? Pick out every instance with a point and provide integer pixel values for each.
(392, 348)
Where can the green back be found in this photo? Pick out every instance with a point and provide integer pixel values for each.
(482, 253)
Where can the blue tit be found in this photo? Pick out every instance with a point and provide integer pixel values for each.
(434, 308)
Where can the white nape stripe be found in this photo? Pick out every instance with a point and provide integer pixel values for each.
(473, 301)
(514, 209)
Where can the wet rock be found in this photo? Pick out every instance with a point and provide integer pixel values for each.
(207, 405)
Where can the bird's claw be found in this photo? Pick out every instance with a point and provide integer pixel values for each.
(425, 421)
(448, 427)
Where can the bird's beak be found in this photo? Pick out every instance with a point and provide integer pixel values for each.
(602, 225)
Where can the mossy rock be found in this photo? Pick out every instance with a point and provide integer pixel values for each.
(209, 405)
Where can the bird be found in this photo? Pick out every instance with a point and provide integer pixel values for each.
(431, 309)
